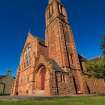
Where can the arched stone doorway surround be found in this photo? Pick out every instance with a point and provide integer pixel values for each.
(42, 77)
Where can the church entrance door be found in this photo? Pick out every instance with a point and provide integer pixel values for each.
(40, 81)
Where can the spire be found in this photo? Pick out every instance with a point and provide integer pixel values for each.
(53, 0)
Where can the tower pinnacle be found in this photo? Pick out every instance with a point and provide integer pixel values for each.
(53, 0)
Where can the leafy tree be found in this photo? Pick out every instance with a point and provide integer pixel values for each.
(96, 68)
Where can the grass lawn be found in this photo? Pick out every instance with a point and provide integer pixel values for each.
(83, 100)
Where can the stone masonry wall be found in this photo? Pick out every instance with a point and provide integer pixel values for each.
(95, 86)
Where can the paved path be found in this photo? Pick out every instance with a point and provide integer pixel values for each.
(31, 97)
(4, 98)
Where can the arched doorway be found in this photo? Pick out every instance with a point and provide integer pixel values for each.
(42, 71)
(40, 78)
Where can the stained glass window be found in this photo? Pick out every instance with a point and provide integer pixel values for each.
(27, 56)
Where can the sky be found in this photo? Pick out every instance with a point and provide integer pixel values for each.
(18, 17)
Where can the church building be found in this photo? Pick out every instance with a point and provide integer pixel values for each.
(6, 82)
(51, 67)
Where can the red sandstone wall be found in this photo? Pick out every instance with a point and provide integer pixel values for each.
(96, 86)
(43, 50)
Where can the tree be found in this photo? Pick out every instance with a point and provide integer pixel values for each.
(96, 68)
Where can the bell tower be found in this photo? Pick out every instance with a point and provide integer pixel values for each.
(60, 41)
(56, 19)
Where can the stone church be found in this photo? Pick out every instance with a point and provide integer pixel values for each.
(6, 82)
(51, 67)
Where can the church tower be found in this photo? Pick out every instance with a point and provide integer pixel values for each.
(60, 41)
(53, 68)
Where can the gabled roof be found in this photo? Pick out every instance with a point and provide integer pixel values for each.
(41, 42)
(30, 36)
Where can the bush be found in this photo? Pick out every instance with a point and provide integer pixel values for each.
(96, 68)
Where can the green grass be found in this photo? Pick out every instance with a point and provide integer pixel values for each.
(86, 100)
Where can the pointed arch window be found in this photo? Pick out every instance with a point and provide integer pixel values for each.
(27, 55)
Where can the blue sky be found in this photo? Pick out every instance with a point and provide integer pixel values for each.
(17, 17)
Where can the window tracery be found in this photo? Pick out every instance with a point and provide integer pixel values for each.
(27, 55)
